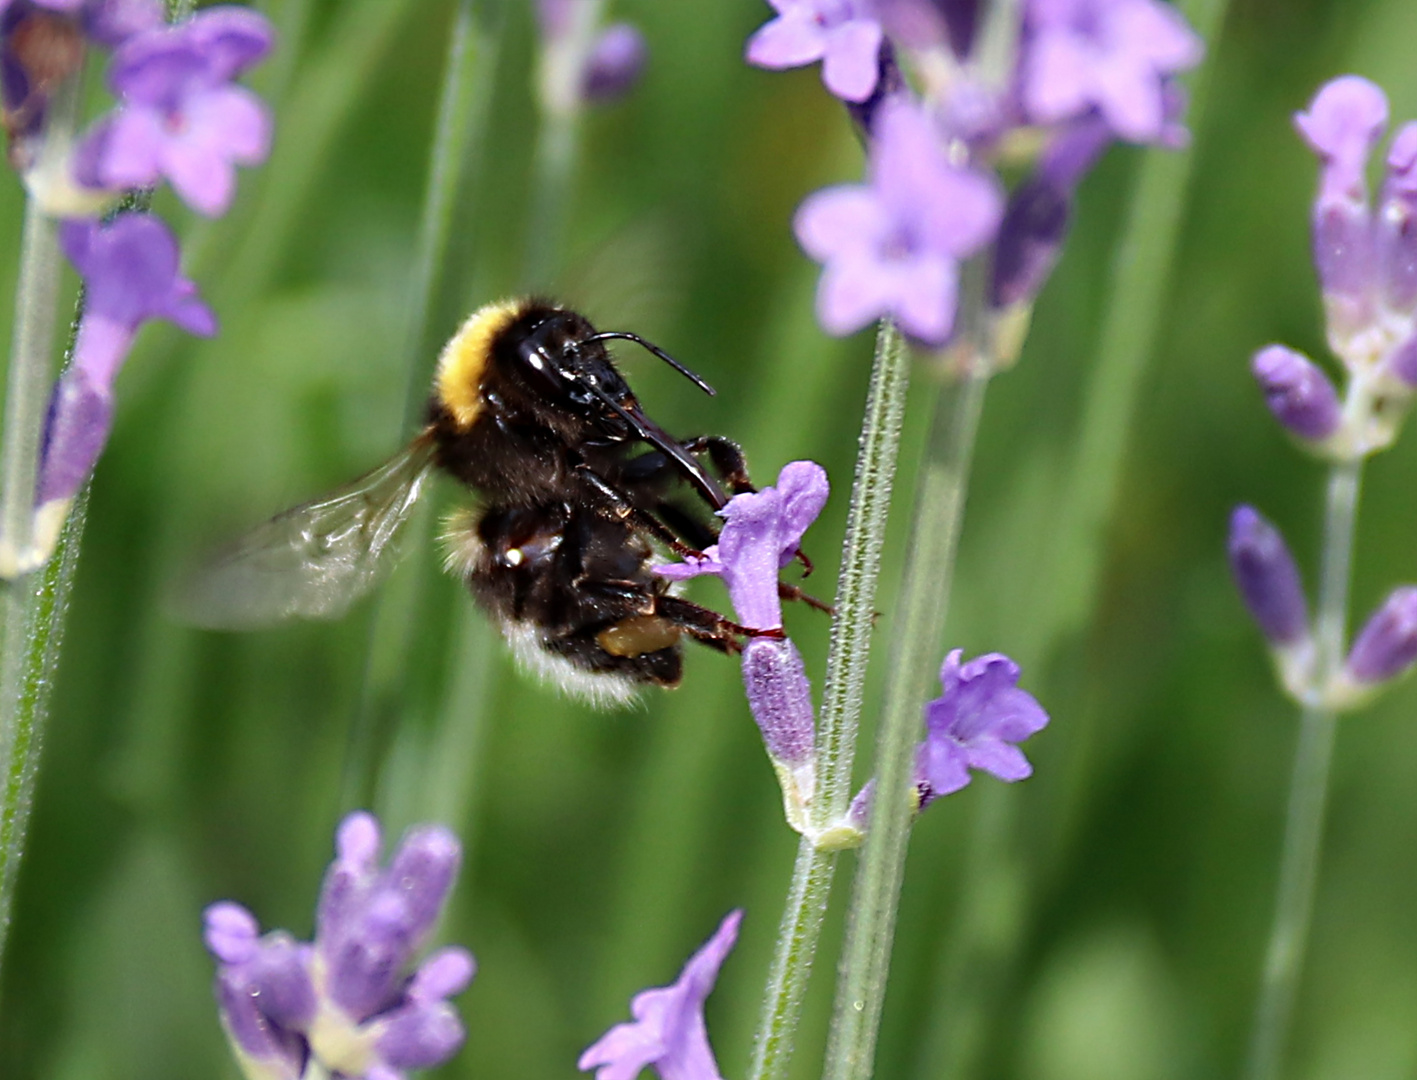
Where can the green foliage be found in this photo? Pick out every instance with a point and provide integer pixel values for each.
(183, 767)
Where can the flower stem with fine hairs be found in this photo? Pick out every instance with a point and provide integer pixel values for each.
(841, 701)
(915, 650)
(1308, 791)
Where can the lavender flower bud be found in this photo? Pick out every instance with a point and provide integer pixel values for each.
(1267, 578)
(1297, 392)
(1397, 220)
(781, 699)
(615, 63)
(1401, 363)
(1387, 646)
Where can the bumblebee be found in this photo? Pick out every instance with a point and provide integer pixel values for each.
(574, 487)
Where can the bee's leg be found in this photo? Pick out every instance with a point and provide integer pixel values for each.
(642, 519)
(727, 457)
(792, 592)
(708, 626)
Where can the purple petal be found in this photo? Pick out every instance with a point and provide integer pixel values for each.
(846, 218)
(999, 758)
(943, 766)
(668, 1031)
(230, 932)
(805, 488)
(852, 294)
(924, 294)
(420, 1036)
(1386, 647)
(80, 420)
(445, 973)
(851, 63)
(127, 147)
(1267, 577)
(615, 63)
(1342, 125)
(791, 40)
(1298, 394)
(232, 38)
(204, 178)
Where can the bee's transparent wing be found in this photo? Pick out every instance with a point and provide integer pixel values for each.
(314, 560)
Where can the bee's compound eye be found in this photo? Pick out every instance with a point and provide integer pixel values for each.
(638, 635)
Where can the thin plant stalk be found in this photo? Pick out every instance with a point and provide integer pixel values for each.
(841, 701)
(35, 610)
(464, 110)
(915, 650)
(1308, 791)
(557, 142)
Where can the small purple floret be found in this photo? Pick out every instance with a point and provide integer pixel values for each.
(1298, 393)
(974, 724)
(1387, 646)
(894, 247)
(180, 116)
(1268, 578)
(348, 1000)
(1115, 56)
(616, 61)
(761, 535)
(131, 275)
(842, 34)
(668, 1032)
(781, 699)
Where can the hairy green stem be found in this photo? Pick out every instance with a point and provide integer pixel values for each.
(841, 701)
(915, 649)
(1308, 790)
(35, 608)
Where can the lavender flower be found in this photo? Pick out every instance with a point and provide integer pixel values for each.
(894, 247)
(616, 61)
(762, 532)
(1298, 393)
(974, 724)
(344, 1000)
(668, 1032)
(1387, 646)
(843, 34)
(1268, 578)
(180, 116)
(130, 275)
(1114, 56)
(761, 535)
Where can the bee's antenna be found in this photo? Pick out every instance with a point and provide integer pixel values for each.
(651, 347)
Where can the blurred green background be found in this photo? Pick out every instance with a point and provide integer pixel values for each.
(1103, 920)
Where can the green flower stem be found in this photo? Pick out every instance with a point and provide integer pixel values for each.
(35, 608)
(915, 649)
(28, 384)
(464, 111)
(558, 141)
(841, 701)
(1308, 791)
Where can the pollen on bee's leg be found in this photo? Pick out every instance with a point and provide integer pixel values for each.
(638, 635)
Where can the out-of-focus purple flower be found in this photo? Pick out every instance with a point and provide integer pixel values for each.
(668, 1032)
(894, 247)
(346, 1000)
(1387, 646)
(180, 115)
(842, 34)
(130, 272)
(920, 25)
(1268, 578)
(1298, 393)
(1342, 125)
(762, 533)
(615, 64)
(1397, 222)
(1115, 56)
(974, 724)
(1039, 211)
